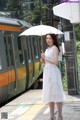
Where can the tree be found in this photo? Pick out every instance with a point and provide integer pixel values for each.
(35, 12)
(77, 30)
(15, 7)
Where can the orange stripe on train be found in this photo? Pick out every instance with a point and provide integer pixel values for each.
(21, 73)
(10, 28)
(10, 76)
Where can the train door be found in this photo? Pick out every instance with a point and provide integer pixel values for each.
(11, 65)
(30, 61)
(36, 52)
(39, 54)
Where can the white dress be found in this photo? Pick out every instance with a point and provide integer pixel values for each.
(52, 84)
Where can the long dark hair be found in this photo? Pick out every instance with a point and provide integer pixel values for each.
(55, 40)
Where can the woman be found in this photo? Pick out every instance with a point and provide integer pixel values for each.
(52, 85)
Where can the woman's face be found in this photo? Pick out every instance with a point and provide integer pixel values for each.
(49, 40)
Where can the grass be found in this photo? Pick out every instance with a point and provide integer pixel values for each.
(64, 82)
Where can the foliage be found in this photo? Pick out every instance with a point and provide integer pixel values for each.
(78, 58)
(78, 52)
(30, 11)
(77, 30)
(15, 8)
(64, 82)
(36, 13)
(78, 47)
(62, 68)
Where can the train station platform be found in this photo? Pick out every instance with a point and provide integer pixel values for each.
(29, 106)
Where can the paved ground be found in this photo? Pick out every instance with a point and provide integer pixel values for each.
(29, 106)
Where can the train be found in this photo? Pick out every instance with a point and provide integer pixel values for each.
(20, 67)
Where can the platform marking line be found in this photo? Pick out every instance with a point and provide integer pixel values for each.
(32, 112)
(19, 111)
(46, 111)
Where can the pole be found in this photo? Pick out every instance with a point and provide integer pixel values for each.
(40, 4)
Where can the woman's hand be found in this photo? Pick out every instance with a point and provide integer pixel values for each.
(42, 55)
(41, 60)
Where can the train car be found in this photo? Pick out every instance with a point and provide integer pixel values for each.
(19, 59)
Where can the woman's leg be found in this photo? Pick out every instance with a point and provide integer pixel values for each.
(59, 106)
(51, 107)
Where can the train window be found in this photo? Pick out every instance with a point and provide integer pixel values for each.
(10, 50)
(0, 64)
(35, 45)
(20, 51)
(28, 48)
(39, 47)
(6, 51)
(44, 45)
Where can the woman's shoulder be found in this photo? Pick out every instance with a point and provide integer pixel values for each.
(55, 48)
(52, 48)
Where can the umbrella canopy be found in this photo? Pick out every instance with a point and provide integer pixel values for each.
(40, 30)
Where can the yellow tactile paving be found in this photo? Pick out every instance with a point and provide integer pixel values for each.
(32, 112)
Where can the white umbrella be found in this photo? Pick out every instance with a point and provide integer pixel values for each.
(40, 30)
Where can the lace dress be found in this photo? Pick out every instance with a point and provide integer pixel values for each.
(52, 84)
